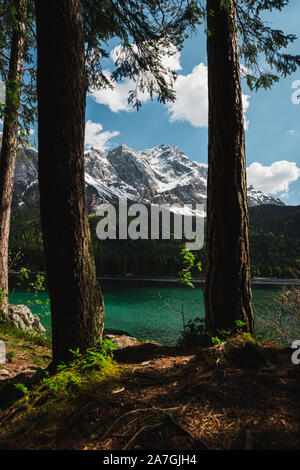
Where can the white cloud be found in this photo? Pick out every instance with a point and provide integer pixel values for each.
(292, 132)
(94, 137)
(192, 98)
(273, 179)
(191, 102)
(246, 104)
(172, 61)
(169, 60)
(117, 98)
(244, 70)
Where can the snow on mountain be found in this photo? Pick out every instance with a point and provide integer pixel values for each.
(162, 175)
(256, 198)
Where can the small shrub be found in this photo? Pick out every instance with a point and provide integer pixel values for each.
(66, 382)
(281, 322)
(10, 355)
(70, 377)
(6, 328)
(22, 388)
(196, 334)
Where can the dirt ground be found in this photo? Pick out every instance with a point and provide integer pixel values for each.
(186, 400)
(225, 407)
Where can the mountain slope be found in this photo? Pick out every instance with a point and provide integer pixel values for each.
(162, 175)
(280, 220)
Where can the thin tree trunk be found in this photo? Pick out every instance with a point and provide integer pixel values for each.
(76, 302)
(10, 143)
(228, 294)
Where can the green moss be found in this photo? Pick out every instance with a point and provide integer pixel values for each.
(7, 330)
(10, 355)
(50, 402)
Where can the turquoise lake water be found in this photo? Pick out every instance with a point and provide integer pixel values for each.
(137, 307)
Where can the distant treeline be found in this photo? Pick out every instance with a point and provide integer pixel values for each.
(274, 244)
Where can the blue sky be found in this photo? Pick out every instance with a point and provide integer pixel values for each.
(273, 130)
(273, 120)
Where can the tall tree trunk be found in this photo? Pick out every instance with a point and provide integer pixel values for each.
(76, 302)
(10, 142)
(228, 294)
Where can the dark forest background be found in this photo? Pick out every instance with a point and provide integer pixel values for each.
(274, 243)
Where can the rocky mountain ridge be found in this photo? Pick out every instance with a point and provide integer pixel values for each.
(162, 175)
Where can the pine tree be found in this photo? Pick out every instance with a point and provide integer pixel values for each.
(69, 35)
(77, 308)
(10, 137)
(228, 294)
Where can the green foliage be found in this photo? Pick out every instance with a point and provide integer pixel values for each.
(66, 382)
(184, 279)
(261, 43)
(36, 286)
(14, 258)
(7, 328)
(275, 240)
(34, 283)
(3, 298)
(240, 324)
(22, 388)
(93, 358)
(195, 333)
(185, 275)
(23, 275)
(25, 240)
(10, 355)
(145, 29)
(188, 261)
(280, 323)
(69, 378)
(9, 21)
(274, 246)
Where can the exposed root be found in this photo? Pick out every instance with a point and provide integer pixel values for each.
(178, 428)
(211, 379)
(166, 419)
(128, 413)
(148, 427)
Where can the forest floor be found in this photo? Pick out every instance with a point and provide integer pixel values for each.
(236, 395)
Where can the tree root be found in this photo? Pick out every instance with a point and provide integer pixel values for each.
(211, 379)
(128, 413)
(178, 428)
(167, 419)
(147, 427)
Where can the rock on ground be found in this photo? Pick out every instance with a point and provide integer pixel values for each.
(21, 317)
(122, 339)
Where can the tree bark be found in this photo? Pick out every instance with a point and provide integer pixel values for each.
(77, 307)
(228, 295)
(10, 143)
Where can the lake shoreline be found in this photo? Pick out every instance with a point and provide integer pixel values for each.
(256, 281)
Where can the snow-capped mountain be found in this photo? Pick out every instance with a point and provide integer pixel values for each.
(162, 175)
(257, 198)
